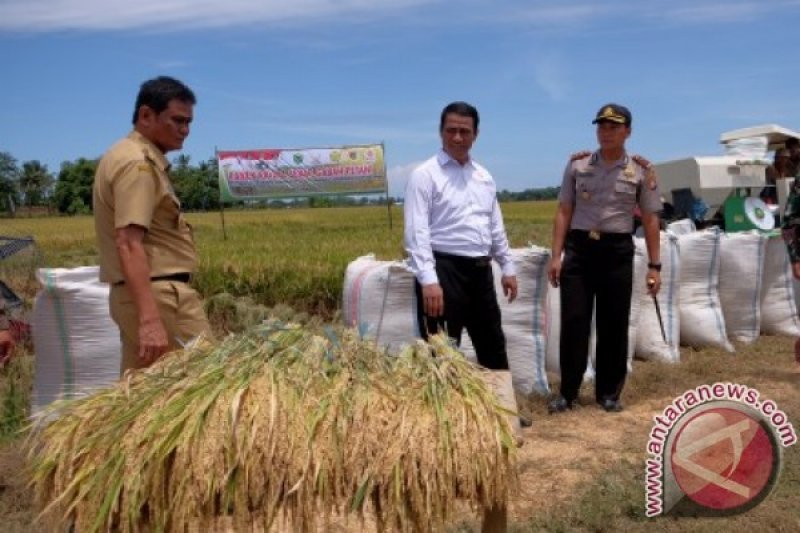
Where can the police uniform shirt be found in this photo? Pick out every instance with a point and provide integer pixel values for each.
(452, 208)
(604, 196)
(132, 187)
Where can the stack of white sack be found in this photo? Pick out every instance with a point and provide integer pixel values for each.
(379, 300)
(76, 343)
(740, 279)
(702, 323)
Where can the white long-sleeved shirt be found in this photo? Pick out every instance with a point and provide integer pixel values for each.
(452, 208)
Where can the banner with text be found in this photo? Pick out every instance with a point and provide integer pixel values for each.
(285, 173)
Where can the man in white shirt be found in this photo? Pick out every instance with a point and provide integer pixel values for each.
(453, 228)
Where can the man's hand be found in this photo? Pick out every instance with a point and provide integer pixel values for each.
(433, 300)
(153, 340)
(509, 284)
(653, 282)
(554, 270)
(6, 346)
(796, 270)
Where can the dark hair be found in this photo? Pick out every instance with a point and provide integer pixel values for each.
(158, 92)
(460, 108)
(791, 141)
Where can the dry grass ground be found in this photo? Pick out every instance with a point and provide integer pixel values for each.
(584, 470)
(581, 471)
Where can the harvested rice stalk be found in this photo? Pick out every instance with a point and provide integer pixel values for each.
(277, 424)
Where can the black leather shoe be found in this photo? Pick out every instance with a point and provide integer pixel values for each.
(610, 405)
(525, 422)
(559, 404)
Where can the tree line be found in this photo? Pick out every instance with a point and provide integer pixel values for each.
(30, 185)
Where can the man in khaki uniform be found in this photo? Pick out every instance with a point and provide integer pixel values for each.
(592, 228)
(147, 251)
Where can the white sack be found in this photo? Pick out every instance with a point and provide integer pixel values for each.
(77, 345)
(379, 300)
(524, 320)
(553, 329)
(702, 323)
(649, 343)
(681, 227)
(778, 309)
(740, 274)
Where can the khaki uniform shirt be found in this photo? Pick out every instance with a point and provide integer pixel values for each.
(604, 196)
(132, 187)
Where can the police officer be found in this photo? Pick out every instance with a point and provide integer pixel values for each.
(146, 247)
(592, 227)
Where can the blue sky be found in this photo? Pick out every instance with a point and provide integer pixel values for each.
(305, 73)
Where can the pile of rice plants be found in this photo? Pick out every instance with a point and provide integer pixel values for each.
(277, 425)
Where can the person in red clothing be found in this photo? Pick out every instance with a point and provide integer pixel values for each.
(6, 339)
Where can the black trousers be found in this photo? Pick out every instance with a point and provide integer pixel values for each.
(470, 302)
(595, 273)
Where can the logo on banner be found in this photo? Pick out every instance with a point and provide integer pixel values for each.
(717, 450)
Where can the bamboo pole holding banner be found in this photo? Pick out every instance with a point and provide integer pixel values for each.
(220, 170)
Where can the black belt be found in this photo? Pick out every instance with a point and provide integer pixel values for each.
(182, 277)
(594, 235)
(479, 261)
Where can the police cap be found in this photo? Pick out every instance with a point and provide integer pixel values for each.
(613, 113)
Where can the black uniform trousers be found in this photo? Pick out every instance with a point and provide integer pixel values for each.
(470, 301)
(596, 272)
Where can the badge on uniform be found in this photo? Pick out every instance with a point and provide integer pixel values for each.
(586, 195)
(652, 183)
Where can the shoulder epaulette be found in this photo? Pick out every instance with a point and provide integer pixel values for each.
(583, 154)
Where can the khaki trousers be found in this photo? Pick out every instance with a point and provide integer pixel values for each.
(181, 311)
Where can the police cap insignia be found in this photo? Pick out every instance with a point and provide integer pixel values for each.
(614, 113)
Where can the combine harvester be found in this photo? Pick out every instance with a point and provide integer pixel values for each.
(723, 190)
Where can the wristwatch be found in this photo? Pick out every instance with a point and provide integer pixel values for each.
(654, 266)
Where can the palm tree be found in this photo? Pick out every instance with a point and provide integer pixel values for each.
(35, 183)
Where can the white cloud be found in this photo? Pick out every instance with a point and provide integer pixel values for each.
(357, 132)
(566, 13)
(168, 15)
(49, 15)
(550, 77)
(398, 177)
(577, 14)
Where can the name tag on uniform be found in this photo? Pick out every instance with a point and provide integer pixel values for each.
(584, 174)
